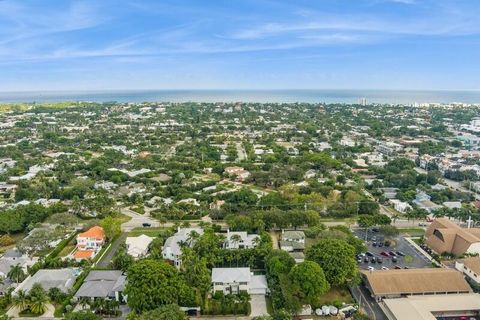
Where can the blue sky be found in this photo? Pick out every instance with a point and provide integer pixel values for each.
(244, 44)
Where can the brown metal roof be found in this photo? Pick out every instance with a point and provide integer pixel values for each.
(416, 281)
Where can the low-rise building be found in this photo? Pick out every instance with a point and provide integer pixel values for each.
(105, 284)
(89, 243)
(171, 249)
(400, 206)
(137, 247)
(445, 236)
(433, 307)
(62, 279)
(240, 240)
(234, 280)
(292, 241)
(387, 284)
(470, 267)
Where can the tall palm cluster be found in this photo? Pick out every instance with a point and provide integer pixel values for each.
(35, 300)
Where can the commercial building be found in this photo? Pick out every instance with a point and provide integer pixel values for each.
(387, 284)
(433, 307)
(445, 236)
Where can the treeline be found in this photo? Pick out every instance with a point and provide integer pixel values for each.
(22, 218)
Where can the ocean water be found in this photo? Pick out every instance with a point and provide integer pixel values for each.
(288, 96)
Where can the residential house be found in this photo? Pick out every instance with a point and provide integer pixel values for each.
(389, 193)
(452, 204)
(292, 241)
(400, 206)
(240, 173)
(103, 284)
(234, 280)
(422, 200)
(89, 243)
(63, 279)
(13, 258)
(172, 248)
(137, 247)
(240, 240)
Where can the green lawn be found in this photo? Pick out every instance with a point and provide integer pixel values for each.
(151, 232)
(68, 248)
(412, 231)
(340, 294)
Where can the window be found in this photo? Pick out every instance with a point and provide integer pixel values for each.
(438, 234)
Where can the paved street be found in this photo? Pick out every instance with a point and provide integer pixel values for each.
(367, 303)
(137, 220)
(108, 256)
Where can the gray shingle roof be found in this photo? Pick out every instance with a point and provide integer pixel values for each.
(102, 284)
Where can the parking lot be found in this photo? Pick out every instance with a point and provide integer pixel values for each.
(401, 250)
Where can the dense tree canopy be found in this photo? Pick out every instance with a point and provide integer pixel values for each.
(337, 259)
(153, 283)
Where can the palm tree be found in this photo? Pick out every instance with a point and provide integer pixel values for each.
(20, 300)
(192, 236)
(16, 273)
(235, 239)
(38, 300)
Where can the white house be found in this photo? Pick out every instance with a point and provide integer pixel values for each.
(171, 249)
(400, 206)
(240, 240)
(137, 247)
(89, 243)
(234, 280)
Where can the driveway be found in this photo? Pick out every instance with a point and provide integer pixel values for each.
(258, 305)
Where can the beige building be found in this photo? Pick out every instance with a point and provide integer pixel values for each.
(433, 307)
(384, 284)
(470, 267)
(444, 235)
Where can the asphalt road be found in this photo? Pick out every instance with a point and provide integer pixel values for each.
(369, 306)
(108, 256)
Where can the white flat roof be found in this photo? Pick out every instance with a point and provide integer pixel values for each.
(422, 307)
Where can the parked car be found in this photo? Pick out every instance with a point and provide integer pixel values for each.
(368, 253)
(400, 253)
(385, 268)
(146, 225)
(398, 267)
(380, 244)
(394, 259)
(384, 253)
(392, 254)
(373, 260)
(370, 268)
(379, 260)
(374, 243)
(365, 259)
